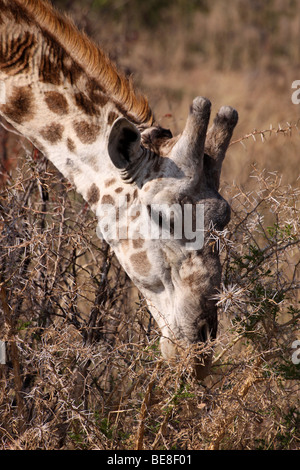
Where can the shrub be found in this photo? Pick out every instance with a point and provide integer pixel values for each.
(83, 366)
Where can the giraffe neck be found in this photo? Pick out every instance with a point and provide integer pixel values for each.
(53, 96)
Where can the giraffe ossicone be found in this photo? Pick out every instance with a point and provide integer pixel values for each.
(64, 94)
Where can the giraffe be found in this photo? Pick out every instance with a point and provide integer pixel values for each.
(64, 94)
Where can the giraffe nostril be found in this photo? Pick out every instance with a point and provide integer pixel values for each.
(203, 333)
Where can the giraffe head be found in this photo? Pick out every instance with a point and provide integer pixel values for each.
(174, 204)
(65, 95)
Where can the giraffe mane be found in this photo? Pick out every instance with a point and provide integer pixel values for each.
(91, 58)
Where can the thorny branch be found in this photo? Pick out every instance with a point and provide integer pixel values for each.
(84, 369)
(286, 131)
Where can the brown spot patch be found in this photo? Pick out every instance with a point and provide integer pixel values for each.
(93, 194)
(140, 263)
(110, 182)
(71, 72)
(86, 105)
(107, 199)
(97, 93)
(138, 243)
(112, 117)
(70, 144)
(52, 133)
(56, 102)
(87, 133)
(119, 190)
(20, 106)
(49, 71)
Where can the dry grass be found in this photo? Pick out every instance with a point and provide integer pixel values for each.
(84, 369)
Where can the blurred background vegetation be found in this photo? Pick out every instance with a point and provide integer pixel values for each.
(242, 53)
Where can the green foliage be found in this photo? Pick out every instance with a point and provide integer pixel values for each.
(106, 428)
(289, 431)
(183, 392)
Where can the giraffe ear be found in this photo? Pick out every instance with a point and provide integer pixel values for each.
(124, 143)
